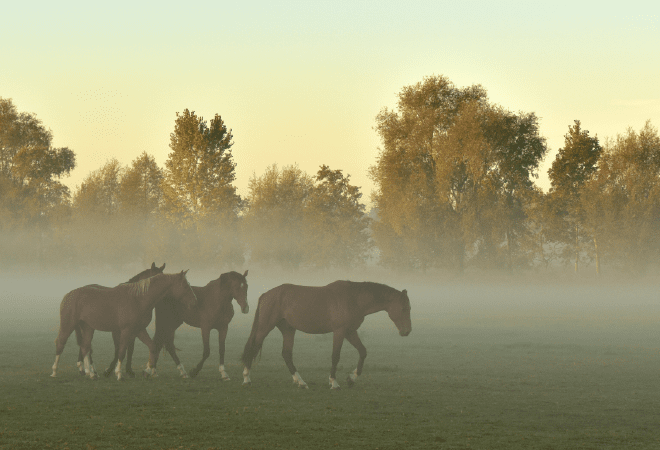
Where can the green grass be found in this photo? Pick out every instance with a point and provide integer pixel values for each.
(484, 378)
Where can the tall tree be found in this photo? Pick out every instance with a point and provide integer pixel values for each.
(198, 194)
(275, 219)
(101, 233)
(575, 164)
(411, 230)
(31, 195)
(452, 177)
(337, 228)
(140, 197)
(200, 169)
(627, 189)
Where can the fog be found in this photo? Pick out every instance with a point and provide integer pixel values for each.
(536, 307)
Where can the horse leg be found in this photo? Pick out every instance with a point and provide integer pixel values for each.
(222, 336)
(337, 342)
(146, 340)
(171, 349)
(87, 333)
(124, 338)
(355, 341)
(129, 358)
(154, 351)
(80, 354)
(206, 332)
(253, 346)
(62, 336)
(288, 334)
(115, 339)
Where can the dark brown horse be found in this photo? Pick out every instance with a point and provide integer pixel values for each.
(126, 309)
(339, 307)
(214, 311)
(150, 272)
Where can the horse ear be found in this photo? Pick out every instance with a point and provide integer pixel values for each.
(153, 265)
(405, 292)
(162, 267)
(184, 273)
(245, 274)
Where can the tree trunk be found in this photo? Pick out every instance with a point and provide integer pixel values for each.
(597, 257)
(577, 249)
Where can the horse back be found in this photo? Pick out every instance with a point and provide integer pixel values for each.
(315, 309)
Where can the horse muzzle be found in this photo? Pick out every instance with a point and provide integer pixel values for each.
(404, 332)
(246, 309)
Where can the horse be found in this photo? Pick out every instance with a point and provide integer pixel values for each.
(125, 309)
(340, 308)
(153, 270)
(214, 311)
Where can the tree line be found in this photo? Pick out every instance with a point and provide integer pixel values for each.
(454, 188)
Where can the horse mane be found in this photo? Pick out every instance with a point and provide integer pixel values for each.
(378, 290)
(139, 288)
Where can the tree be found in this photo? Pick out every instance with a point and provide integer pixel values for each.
(101, 234)
(335, 221)
(575, 164)
(32, 199)
(411, 230)
(626, 212)
(275, 217)
(198, 194)
(141, 198)
(452, 178)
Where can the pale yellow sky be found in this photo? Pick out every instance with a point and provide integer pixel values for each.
(302, 82)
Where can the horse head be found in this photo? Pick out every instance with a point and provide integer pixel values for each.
(237, 285)
(399, 311)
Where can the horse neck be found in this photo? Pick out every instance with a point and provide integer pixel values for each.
(157, 288)
(224, 297)
(373, 304)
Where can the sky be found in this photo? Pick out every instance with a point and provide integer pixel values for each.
(302, 82)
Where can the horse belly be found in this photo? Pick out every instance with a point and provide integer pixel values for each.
(100, 316)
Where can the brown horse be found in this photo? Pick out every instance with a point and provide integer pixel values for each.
(150, 272)
(126, 309)
(214, 311)
(339, 307)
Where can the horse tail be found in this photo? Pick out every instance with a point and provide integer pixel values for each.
(251, 350)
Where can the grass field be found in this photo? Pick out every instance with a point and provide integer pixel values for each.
(486, 366)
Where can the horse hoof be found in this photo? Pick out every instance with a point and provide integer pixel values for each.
(247, 383)
(145, 374)
(185, 376)
(193, 373)
(107, 372)
(350, 382)
(130, 374)
(303, 386)
(226, 379)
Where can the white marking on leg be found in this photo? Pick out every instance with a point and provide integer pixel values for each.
(57, 360)
(182, 371)
(80, 366)
(87, 364)
(92, 371)
(118, 370)
(333, 383)
(224, 375)
(299, 381)
(246, 376)
(354, 375)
